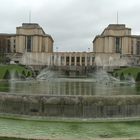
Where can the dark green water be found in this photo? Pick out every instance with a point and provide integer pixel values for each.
(84, 130)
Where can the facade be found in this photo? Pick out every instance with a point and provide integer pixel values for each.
(68, 61)
(7, 43)
(32, 46)
(6, 46)
(116, 42)
(59, 59)
(30, 37)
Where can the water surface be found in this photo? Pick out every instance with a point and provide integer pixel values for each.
(70, 86)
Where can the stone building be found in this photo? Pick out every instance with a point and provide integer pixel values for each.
(31, 46)
(6, 46)
(30, 37)
(7, 43)
(116, 43)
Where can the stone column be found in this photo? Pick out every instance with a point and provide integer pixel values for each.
(85, 59)
(90, 60)
(64, 60)
(75, 60)
(69, 59)
(80, 59)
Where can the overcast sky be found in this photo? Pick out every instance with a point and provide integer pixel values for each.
(73, 24)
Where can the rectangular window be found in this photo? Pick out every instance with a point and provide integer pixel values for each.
(78, 59)
(67, 59)
(83, 59)
(132, 47)
(29, 43)
(138, 48)
(93, 58)
(72, 59)
(118, 44)
(9, 43)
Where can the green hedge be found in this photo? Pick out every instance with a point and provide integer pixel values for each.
(19, 71)
(125, 72)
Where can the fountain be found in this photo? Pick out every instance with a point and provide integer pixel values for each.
(100, 96)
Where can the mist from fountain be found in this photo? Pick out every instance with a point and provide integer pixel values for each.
(46, 73)
(13, 78)
(101, 74)
(13, 75)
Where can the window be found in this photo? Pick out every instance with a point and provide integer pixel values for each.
(29, 43)
(118, 44)
(83, 59)
(78, 59)
(132, 47)
(93, 58)
(67, 59)
(72, 59)
(138, 48)
(9, 43)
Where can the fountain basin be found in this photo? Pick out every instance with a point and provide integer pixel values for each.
(71, 106)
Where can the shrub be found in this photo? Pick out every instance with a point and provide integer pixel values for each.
(7, 75)
(138, 77)
(122, 76)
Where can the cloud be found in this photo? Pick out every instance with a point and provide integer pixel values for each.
(72, 23)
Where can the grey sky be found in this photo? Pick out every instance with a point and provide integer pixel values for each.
(72, 23)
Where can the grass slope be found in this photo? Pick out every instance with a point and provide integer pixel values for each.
(10, 68)
(126, 71)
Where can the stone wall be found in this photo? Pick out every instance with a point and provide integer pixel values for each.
(71, 106)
